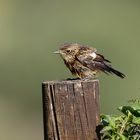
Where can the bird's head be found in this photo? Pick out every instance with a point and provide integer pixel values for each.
(68, 52)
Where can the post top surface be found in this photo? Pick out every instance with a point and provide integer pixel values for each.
(69, 81)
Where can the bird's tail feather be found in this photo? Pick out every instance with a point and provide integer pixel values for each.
(112, 70)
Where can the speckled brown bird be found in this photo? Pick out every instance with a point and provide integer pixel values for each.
(84, 62)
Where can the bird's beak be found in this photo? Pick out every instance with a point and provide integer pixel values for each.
(57, 52)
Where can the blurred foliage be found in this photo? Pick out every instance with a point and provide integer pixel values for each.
(122, 127)
(30, 30)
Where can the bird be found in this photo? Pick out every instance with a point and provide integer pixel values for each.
(85, 62)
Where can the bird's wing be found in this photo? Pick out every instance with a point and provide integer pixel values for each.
(101, 58)
(94, 61)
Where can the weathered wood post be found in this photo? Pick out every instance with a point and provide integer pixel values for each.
(71, 109)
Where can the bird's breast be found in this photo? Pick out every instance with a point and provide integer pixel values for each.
(79, 70)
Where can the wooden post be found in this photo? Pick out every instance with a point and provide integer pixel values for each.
(71, 109)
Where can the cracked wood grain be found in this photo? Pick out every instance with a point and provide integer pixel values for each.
(70, 109)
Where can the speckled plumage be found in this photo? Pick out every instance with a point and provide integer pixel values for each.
(85, 62)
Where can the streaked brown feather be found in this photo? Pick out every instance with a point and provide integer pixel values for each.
(85, 62)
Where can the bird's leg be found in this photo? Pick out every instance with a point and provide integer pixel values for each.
(89, 77)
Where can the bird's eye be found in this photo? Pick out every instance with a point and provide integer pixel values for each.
(68, 51)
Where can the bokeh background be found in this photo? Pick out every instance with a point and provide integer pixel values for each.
(30, 30)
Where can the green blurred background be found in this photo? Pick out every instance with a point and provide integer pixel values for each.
(30, 30)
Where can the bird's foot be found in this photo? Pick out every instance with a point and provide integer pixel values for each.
(73, 78)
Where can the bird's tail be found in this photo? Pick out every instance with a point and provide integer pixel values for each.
(112, 70)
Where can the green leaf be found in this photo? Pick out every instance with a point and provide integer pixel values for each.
(106, 128)
(130, 116)
(122, 127)
(110, 120)
(136, 120)
(122, 137)
(135, 111)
